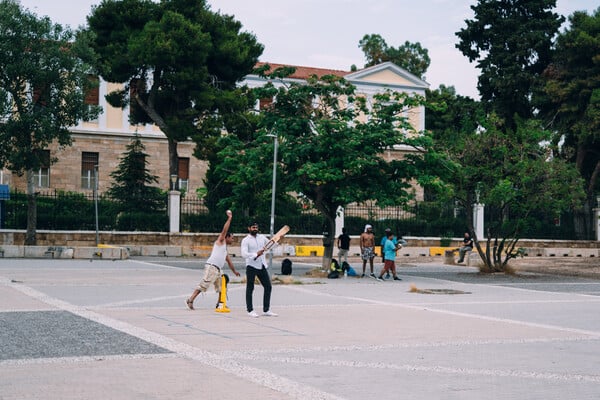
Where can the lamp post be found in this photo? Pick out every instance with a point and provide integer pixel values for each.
(272, 226)
(96, 202)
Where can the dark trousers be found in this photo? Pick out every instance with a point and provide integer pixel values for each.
(265, 281)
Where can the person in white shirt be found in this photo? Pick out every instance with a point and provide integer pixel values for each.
(253, 252)
(214, 263)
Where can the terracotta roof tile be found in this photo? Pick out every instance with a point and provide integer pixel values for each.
(305, 72)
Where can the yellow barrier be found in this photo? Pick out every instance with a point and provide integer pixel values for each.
(310, 251)
(439, 251)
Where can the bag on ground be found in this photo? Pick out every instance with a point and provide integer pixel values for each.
(286, 267)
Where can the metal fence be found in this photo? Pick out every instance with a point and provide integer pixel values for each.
(58, 210)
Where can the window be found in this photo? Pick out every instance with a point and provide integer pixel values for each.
(183, 173)
(265, 103)
(42, 175)
(92, 94)
(89, 162)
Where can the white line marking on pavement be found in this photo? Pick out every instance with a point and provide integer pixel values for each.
(434, 369)
(595, 334)
(255, 375)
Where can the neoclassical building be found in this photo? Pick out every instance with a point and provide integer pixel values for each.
(102, 142)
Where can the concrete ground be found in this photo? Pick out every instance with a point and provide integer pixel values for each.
(78, 329)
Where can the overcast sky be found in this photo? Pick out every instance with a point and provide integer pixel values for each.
(325, 33)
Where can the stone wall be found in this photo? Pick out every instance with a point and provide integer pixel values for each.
(65, 174)
(88, 238)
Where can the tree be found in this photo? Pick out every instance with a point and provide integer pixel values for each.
(569, 102)
(511, 40)
(132, 180)
(330, 155)
(43, 83)
(410, 56)
(179, 63)
(449, 115)
(514, 174)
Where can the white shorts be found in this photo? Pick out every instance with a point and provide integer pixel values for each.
(212, 276)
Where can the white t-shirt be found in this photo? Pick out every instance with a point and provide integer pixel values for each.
(218, 255)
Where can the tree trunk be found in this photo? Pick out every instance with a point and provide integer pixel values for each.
(328, 241)
(30, 239)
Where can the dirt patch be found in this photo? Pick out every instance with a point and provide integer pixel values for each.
(588, 267)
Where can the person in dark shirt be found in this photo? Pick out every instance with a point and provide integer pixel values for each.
(343, 244)
(467, 246)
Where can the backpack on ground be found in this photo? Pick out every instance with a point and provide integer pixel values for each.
(349, 270)
(286, 267)
(335, 266)
(333, 274)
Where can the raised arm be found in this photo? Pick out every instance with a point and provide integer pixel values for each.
(221, 238)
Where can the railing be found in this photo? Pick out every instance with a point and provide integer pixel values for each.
(75, 211)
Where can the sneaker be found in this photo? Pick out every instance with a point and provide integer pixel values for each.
(253, 314)
(362, 276)
(387, 276)
(372, 275)
(269, 314)
(397, 279)
(379, 278)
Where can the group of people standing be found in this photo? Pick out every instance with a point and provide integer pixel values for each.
(389, 246)
(253, 249)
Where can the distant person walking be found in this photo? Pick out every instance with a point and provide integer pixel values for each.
(343, 244)
(215, 262)
(367, 249)
(389, 250)
(256, 267)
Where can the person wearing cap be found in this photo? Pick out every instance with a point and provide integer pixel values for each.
(367, 249)
(215, 262)
(252, 249)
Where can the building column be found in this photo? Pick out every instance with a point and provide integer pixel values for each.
(174, 210)
(478, 211)
(339, 222)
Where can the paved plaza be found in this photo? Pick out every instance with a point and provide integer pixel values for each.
(80, 329)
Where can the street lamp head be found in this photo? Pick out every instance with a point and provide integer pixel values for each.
(173, 181)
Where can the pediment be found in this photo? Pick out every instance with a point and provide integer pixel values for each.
(387, 74)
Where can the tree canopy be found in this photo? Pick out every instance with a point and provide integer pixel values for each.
(179, 63)
(132, 186)
(332, 147)
(43, 84)
(514, 173)
(511, 40)
(569, 100)
(411, 56)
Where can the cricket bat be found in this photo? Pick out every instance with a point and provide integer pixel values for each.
(276, 238)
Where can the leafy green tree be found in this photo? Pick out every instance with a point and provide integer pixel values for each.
(43, 82)
(410, 56)
(511, 40)
(569, 101)
(132, 181)
(332, 152)
(449, 115)
(514, 174)
(179, 63)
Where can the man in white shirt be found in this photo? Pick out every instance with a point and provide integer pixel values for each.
(214, 263)
(256, 266)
